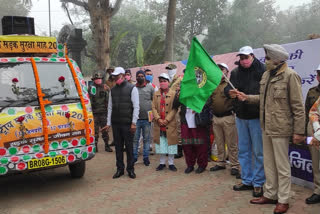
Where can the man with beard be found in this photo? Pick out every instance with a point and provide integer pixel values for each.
(282, 117)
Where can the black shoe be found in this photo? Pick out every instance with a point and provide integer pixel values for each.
(313, 199)
(238, 176)
(177, 156)
(242, 187)
(234, 172)
(189, 169)
(200, 170)
(160, 167)
(112, 144)
(108, 149)
(257, 192)
(132, 174)
(180, 153)
(146, 161)
(118, 174)
(217, 167)
(173, 168)
(135, 160)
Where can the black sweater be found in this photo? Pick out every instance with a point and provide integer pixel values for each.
(246, 80)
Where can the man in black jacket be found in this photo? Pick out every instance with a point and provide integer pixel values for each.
(246, 78)
(123, 113)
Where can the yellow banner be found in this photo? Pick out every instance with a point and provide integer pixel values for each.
(21, 126)
(27, 44)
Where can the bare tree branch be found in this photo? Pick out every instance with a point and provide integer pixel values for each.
(27, 2)
(64, 5)
(77, 2)
(116, 7)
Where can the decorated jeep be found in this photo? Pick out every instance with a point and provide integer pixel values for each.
(46, 119)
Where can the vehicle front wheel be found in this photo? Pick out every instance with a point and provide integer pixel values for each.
(77, 170)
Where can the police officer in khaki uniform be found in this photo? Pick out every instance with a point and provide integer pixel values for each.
(109, 78)
(99, 95)
(224, 126)
(282, 118)
(312, 96)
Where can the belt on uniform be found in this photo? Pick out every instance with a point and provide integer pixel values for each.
(228, 113)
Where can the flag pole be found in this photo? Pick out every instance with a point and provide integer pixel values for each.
(229, 81)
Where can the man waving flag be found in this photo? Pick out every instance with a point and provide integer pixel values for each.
(201, 78)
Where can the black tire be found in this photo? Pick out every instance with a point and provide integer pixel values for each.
(77, 170)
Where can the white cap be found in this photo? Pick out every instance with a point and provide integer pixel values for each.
(117, 71)
(224, 65)
(318, 69)
(164, 76)
(246, 50)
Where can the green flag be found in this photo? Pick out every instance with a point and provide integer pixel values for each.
(201, 78)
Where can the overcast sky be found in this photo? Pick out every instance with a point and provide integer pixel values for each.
(59, 18)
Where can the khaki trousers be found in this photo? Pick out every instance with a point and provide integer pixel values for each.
(277, 168)
(225, 132)
(315, 167)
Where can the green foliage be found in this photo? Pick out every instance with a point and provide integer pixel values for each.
(248, 22)
(138, 29)
(297, 23)
(154, 53)
(115, 46)
(136, 20)
(193, 17)
(14, 8)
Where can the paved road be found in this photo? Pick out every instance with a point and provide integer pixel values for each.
(53, 191)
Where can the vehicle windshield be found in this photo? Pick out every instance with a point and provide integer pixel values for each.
(18, 88)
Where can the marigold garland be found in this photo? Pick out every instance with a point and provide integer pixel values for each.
(85, 113)
(42, 104)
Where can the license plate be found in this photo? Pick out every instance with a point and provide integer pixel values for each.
(47, 161)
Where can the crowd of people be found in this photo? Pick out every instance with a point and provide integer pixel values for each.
(254, 116)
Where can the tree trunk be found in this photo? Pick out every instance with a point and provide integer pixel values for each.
(100, 12)
(169, 42)
(105, 61)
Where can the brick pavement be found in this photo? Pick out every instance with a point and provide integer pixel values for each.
(53, 191)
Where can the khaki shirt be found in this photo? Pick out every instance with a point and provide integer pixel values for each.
(312, 96)
(110, 83)
(282, 112)
(220, 103)
(175, 83)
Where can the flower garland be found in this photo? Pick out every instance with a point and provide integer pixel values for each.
(84, 109)
(42, 104)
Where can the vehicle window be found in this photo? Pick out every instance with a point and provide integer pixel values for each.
(17, 83)
(57, 82)
(18, 87)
